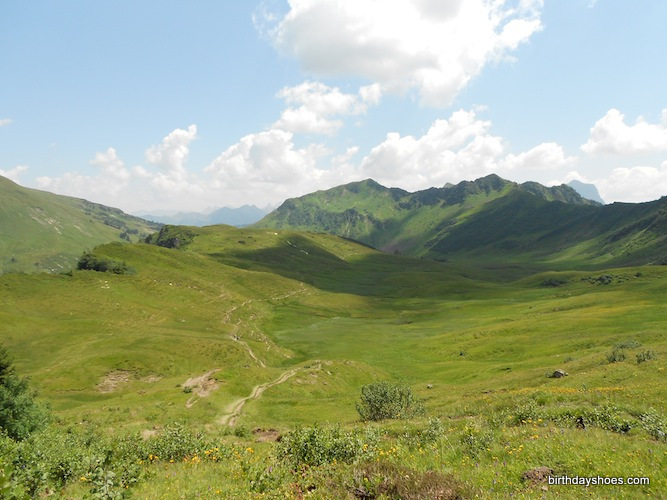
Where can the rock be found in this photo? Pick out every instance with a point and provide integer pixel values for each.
(559, 374)
(429, 386)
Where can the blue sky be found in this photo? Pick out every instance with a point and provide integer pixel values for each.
(156, 106)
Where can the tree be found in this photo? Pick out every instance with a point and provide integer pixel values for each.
(20, 414)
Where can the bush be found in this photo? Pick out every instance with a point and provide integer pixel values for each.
(89, 262)
(648, 355)
(654, 424)
(382, 400)
(20, 414)
(316, 446)
(628, 344)
(615, 356)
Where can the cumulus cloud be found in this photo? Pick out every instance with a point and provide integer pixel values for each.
(452, 150)
(171, 157)
(111, 179)
(312, 106)
(5, 121)
(14, 173)
(612, 135)
(545, 156)
(635, 184)
(433, 46)
(269, 165)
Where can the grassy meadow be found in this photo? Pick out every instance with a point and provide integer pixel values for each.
(187, 368)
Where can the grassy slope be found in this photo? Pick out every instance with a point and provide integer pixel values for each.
(46, 232)
(342, 315)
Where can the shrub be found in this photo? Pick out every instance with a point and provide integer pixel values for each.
(615, 356)
(628, 344)
(20, 414)
(648, 355)
(654, 424)
(553, 282)
(382, 400)
(475, 440)
(89, 262)
(316, 446)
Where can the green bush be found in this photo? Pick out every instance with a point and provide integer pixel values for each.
(628, 344)
(316, 446)
(90, 262)
(382, 400)
(615, 356)
(654, 424)
(645, 356)
(20, 414)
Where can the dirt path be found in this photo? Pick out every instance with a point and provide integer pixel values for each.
(234, 409)
(234, 333)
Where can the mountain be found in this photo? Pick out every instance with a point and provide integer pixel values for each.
(239, 217)
(489, 218)
(586, 190)
(47, 232)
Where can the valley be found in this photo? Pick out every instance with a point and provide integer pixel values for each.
(280, 329)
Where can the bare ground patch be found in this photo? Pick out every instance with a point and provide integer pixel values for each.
(201, 386)
(113, 379)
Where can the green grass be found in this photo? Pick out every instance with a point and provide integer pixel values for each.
(46, 232)
(335, 315)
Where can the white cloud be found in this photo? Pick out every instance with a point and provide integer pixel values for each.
(110, 181)
(5, 121)
(635, 184)
(434, 46)
(14, 173)
(610, 134)
(545, 156)
(313, 104)
(452, 150)
(171, 157)
(267, 167)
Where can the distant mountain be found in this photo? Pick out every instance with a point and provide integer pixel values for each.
(239, 217)
(489, 218)
(586, 190)
(41, 231)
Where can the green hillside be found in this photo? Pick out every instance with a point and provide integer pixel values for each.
(246, 334)
(490, 218)
(41, 231)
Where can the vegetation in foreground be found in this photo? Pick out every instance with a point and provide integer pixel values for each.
(243, 342)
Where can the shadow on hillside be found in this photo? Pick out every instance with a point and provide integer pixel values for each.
(366, 273)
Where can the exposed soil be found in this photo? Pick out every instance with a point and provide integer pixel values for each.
(201, 386)
(113, 379)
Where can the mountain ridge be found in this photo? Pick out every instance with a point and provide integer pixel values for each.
(43, 231)
(488, 216)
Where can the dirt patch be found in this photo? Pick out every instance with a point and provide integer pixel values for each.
(262, 435)
(201, 386)
(146, 434)
(151, 379)
(538, 475)
(113, 379)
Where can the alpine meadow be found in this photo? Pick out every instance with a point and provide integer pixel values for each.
(477, 356)
(333, 249)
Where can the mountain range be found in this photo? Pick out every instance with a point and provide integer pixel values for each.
(239, 217)
(489, 219)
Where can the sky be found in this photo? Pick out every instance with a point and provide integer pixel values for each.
(165, 106)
